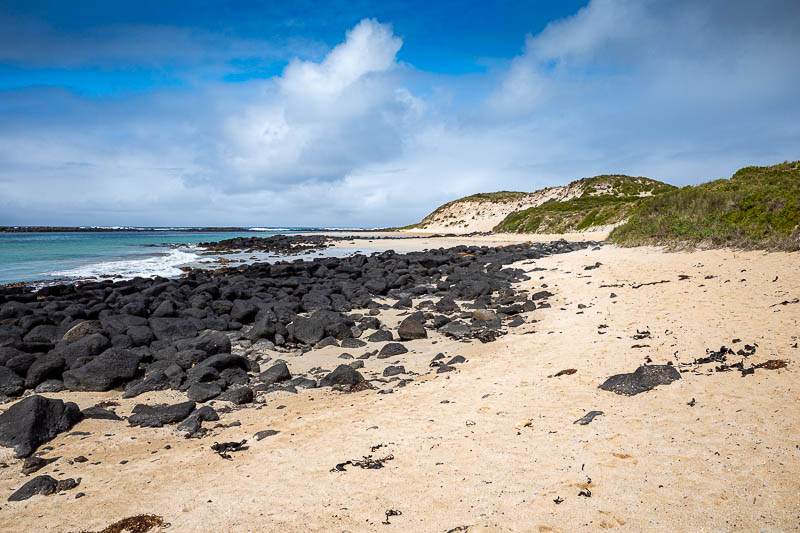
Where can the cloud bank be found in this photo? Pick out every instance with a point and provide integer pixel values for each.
(680, 91)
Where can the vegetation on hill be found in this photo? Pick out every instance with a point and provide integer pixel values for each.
(758, 207)
(604, 200)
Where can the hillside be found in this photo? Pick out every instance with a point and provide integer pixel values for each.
(758, 207)
(588, 203)
(599, 202)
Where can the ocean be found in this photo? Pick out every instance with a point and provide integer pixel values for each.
(74, 256)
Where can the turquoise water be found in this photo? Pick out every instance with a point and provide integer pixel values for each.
(50, 256)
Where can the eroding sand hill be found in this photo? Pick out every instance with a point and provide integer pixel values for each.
(482, 212)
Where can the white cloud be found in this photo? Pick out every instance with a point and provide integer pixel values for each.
(680, 91)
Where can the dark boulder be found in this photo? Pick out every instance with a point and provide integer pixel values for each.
(140, 335)
(263, 328)
(376, 286)
(211, 343)
(353, 343)
(34, 463)
(35, 420)
(202, 374)
(314, 301)
(263, 434)
(44, 333)
(238, 395)
(186, 359)
(642, 379)
(221, 361)
(391, 349)
(165, 309)
(11, 384)
(342, 375)
(393, 371)
(153, 382)
(202, 392)
(99, 413)
(327, 341)
(275, 374)
(303, 383)
(194, 421)
(244, 311)
(45, 367)
(307, 330)
(235, 375)
(172, 329)
(411, 328)
(106, 371)
(381, 335)
(156, 416)
(446, 305)
(87, 346)
(44, 485)
(21, 363)
(456, 329)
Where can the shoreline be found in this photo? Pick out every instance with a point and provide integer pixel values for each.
(490, 444)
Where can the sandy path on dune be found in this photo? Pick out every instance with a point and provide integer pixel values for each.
(492, 445)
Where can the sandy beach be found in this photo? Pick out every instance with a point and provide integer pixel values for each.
(491, 446)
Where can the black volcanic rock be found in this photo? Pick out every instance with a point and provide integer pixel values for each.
(641, 380)
(411, 328)
(11, 384)
(100, 414)
(45, 367)
(104, 372)
(194, 421)
(156, 416)
(202, 392)
(238, 395)
(307, 330)
(153, 382)
(172, 329)
(342, 375)
(44, 485)
(275, 374)
(391, 349)
(35, 420)
(381, 335)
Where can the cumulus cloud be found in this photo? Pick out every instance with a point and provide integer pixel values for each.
(680, 91)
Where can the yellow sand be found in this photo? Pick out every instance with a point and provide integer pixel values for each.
(492, 445)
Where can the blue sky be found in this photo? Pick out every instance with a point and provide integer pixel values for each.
(373, 113)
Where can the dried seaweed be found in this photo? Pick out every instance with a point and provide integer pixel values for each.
(136, 524)
(366, 462)
(223, 449)
(772, 364)
(787, 302)
(649, 283)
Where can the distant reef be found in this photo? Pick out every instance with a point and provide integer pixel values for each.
(86, 229)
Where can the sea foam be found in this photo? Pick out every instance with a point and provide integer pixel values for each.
(166, 265)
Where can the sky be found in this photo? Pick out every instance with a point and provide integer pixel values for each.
(371, 114)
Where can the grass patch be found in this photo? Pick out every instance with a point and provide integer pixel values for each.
(604, 200)
(758, 207)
